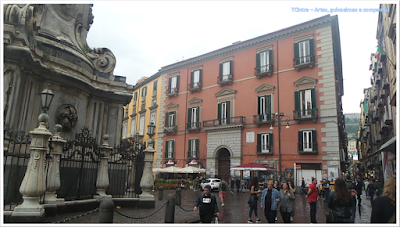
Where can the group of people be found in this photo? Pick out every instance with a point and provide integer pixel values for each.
(342, 200)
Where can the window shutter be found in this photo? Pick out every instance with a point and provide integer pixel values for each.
(314, 140)
(220, 70)
(174, 118)
(155, 85)
(300, 141)
(228, 111)
(231, 67)
(169, 84)
(258, 109)
(198, 114)
(268, 106)
(166, 119)
(258, 143)
(297, 102)
(200, 75)
(258, 62)
(312, 50)
(313, 102)
(296, 53)
(197, 146)
(192, 77)
(166, 149)
(173, 149)
(271, 59)
(135, 96)
(219, 112)
(189, 116)
(271, 139)
(177, 82)
(190, 145)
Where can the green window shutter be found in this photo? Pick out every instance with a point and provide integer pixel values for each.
(258, 62)
(200, 75)
(192, 77)
(296, 53)
(198, 114)
(220, 71)
(219, 112)
(135, 96)
(271, 139)
(173, 149)
(268, 106)
(166, 119)
(297, 102)
(155, 85)
(313, 102)
(231, 67)
(300, 140)
(175, 118)
(169, 84)
(166, 149)
(177, 82)
(228, 111)
(197, 146)
(190, 145)
(312, 50)
(271, 58)
(258, 109)
(314, 140)
(189, 116)
(258, 143)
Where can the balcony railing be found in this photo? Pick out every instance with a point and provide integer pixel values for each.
(193, 126)
(192, 87)
(169, 155)
(229, 122)
(173, 92)
(304, 62)
(264, 150)
(305, 115)
(303, 150)
(193, 154)
(225, 79)
(266, 70)
(170, 129)
(263, 119)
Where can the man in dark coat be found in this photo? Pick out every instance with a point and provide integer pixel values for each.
(207, 205)
(237, 184)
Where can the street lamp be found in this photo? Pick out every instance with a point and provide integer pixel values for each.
(279, 116)
(47, 96)
(136, 137)
(150, 129)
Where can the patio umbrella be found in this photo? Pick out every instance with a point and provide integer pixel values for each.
(253, 166)
(191, 169)
(156, 170)
(171, 169)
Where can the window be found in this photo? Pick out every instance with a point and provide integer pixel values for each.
(155, 85)
(135, 97)
(125, 130)
(226, 70)
(153, 116)
(224, 112)
(170, 119)
(196, 78)
(308, 140)
(169, 148)
(305, 103)
(133, 126)
(264, 108)
(304, 51)
(193, 117)
(173, 84)
(154, 102)
(264, 61)
(126, 114)
(134, 110)
(141, 126)
(264, 142)
(144, 92)
(193, 148)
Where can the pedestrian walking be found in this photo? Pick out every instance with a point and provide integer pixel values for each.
(358, 187)
(269, 202)
(384, 207)
(303, 186)
(196, 182)
(366, 183)
(277, 185)
(320, 189)
(232, 184)
(292, 189)
(222, 188)
(326, 190)
(237, 184)
(340, 202)
(371, 190)
(312, 195)
(182, 184)
(378, 187)
(254, 191)
(243, 185)
(207, 205)
(287, 202)
(351, 186)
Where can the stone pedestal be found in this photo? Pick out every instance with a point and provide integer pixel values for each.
(147, 180)
(102, 181)
(34, 183)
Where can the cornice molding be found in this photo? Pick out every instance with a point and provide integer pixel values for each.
(265, 87)
(172, 105)
(195, 100)
(305, 80)
(225, 91)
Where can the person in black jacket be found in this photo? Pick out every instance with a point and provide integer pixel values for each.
(237, 184)
(351, 187)
(340, 201)
(358, 187)
(207, 205)
(371, 190)
(379, 188)
(384, 207)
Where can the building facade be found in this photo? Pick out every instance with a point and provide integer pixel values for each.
(232, 106)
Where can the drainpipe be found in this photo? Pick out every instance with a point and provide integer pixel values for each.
(186, 115)
(279, 118)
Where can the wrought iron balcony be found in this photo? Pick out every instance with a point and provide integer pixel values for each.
(264, 150)
(173, 92)
(302, 150)
(377, 78)
(192, 87)
(304, 62)
(225, 79)
(193, 126)
(223, 123)
(170, 129)
(193, 154)
(386, 83)
(169, 155)
(306, 115)
(266, 70)
(263, 119)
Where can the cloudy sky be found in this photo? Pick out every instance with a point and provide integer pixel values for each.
(146, 35)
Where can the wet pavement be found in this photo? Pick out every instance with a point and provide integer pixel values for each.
(236, 210)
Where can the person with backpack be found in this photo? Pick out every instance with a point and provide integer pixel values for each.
(207, 205)
(222, 191)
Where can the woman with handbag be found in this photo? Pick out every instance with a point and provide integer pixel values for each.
(253, 200)
(384, 207)
(340, 203)
(287, 202)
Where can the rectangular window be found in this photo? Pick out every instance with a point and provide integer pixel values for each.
(264, 108)
(193, 119)
(171, 119)
(226, 66)
(305, 103)
(264, 143)
(193, 148)
(307, 141)
(155, 85)
(133, 126)
(154, 102)
(144, 92)
(141, 126)
(304, 51)
(173, 84)
(196, 78)
(153, 117)
(135, 96)
(125, 130)
(223, 113)
(169, 149)
(133, 110)
(264, 62)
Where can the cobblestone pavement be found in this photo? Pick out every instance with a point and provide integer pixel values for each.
(236, 210)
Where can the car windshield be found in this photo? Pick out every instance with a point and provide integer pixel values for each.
(207, 181)
(216, 181)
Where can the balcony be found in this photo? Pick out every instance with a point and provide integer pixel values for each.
(225, 79)
(193, 87)
(306, 115)
(386, 83)
(377, 78)
(143, 98)
(383, 58)
(193, 154)
(170, 129)
(173, 92)
(380, 68)
(304, 62)
(224, 123)
(264, 119)
(374, 96)
(193, 126)
(169, 155)
(154, 93)
(264, 150)
(266, 70)
(312, 150)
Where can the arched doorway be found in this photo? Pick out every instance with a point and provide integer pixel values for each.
(224, 164)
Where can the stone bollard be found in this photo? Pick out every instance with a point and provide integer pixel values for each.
(178, 196)
(102, 181)
(170, 209)
(106, 211)
(160, 192)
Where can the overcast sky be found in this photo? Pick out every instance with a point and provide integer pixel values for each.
(146, 35)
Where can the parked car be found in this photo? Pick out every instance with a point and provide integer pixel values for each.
(213, 182)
